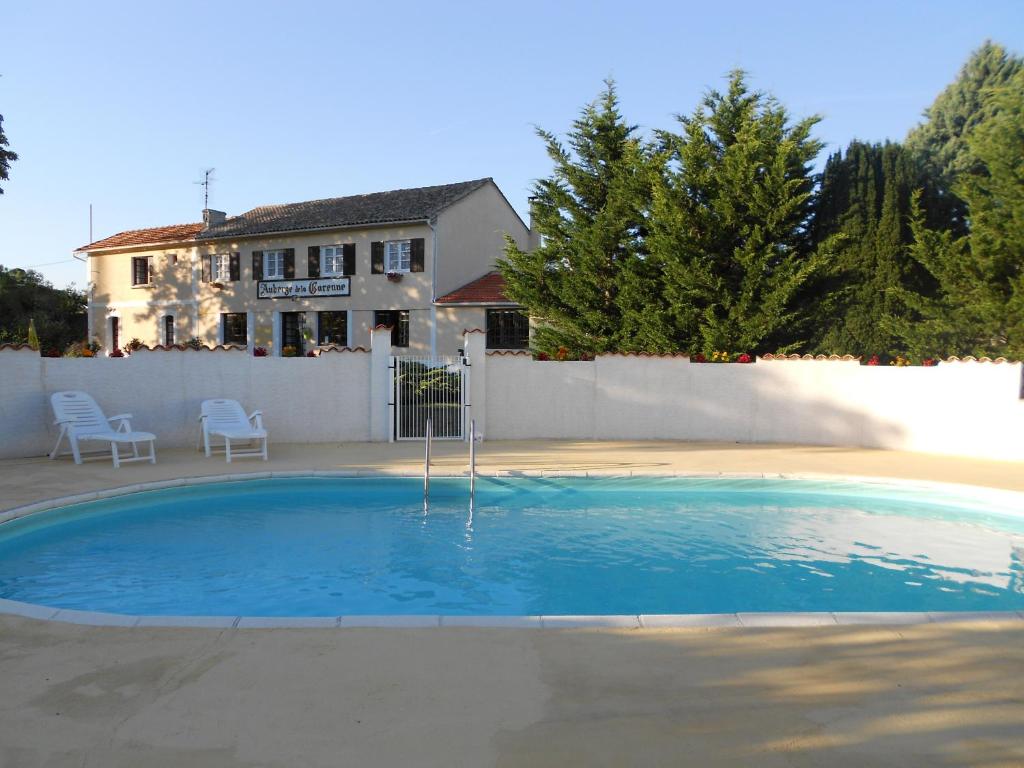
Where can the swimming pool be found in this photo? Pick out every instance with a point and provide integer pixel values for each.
(532, 546)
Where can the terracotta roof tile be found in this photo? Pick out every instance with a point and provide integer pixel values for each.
(489, 289)
(173, 233)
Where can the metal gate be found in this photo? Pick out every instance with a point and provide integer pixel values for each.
(429, 387)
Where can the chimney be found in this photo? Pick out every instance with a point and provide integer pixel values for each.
(212, 218)
(534, 241)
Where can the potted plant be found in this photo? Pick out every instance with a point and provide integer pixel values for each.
(259, 351)
(289, 351)
(394, 277)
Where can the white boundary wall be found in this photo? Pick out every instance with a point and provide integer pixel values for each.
(959, 408)
(320, 400)
(968, 409)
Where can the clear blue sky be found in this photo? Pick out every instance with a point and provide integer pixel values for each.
(123, 104)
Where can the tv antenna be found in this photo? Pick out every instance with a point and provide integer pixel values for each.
(207, 178)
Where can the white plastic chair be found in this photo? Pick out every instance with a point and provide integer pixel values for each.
(225, 419)
(80, 418)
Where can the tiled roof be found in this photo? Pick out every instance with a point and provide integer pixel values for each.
(376, 208)
(173, 233)
(489, 289)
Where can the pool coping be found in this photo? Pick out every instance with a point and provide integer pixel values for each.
(767, 619)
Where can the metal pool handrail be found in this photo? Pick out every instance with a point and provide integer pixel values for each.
(426, 466)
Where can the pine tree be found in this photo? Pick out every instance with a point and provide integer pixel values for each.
(587, 281)
(729, 224)
(941, 143)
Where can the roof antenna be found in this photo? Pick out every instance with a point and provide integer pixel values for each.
(207, 178)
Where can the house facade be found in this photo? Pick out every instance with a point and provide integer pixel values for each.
(291, 278)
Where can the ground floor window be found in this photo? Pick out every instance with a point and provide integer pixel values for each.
(233, 325)
(332, 328)
(507, 329)
(398, 319)
(169, 330)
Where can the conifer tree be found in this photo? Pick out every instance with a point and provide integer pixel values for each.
(941, 143)
(729, 224)
(978, 307)
(864, 203)
(587, 281)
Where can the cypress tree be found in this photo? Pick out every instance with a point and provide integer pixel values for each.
(864, 204)
(6, 156)
(587, 282)
(729, 223)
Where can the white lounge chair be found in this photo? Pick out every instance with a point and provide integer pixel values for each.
(80, 418)
(225, 419)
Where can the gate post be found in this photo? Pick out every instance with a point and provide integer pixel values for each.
(475, 346)
(380, 384)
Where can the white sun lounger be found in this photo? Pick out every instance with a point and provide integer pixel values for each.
(80, 418)
(225, 419)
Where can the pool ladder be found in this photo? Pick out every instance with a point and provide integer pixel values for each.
(428, 436)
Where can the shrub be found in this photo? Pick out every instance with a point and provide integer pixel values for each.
(289, 351)
(194, 343)
(133, 345)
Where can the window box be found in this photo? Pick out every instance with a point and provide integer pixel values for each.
(394, 277)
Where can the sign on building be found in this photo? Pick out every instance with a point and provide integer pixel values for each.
(303, 289)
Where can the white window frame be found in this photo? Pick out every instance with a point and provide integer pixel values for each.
(278, 257)
(220, 271)
(335, 252)
(394, 251)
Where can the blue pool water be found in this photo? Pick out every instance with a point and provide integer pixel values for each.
(325, 547)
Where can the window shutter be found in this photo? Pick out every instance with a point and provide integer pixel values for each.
(257, 265)
(207, 268)
(416, 255)
(236, 266)
(289, 263)
(149, 269)
(348, 252)
(377, 257)
(313, 261)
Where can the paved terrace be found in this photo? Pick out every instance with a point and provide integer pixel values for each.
(935, 694)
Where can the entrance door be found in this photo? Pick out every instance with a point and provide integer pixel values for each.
(115, 333)
(291, 331)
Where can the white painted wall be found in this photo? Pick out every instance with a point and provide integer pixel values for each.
(316, 400)
(961, 408)
(966, 409)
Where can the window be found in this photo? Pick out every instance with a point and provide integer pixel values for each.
(292, 325)
(398, 319)
(233, 325)
(221, 268)
(507, 329)
(273, 265)
(397, 255)
(169, 330)
(141, 270)
(333, 259)
(332, 328)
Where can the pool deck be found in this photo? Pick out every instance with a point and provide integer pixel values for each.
(936, 694)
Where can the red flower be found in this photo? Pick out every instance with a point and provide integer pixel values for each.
(928, 362)
(698, 358)
(259, 352)
(873, 360)
(744, 358)
(117, 353)
(543, 356)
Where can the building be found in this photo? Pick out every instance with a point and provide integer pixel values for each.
(293, 277)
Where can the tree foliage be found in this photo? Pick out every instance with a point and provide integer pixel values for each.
(978, 307)
(26, 298)
(728, 224)
(942, 141)
(863, 205)
(6, 156)
(590, 217)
